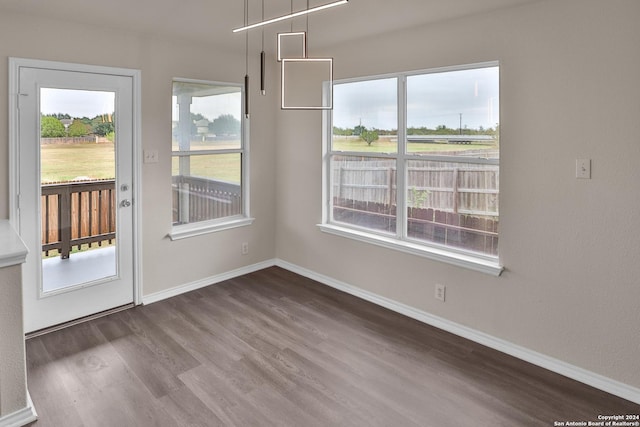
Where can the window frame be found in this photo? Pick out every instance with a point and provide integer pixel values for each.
(400, 240)
(182, 231)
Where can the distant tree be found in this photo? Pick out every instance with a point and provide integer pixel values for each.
(51, 127)
(423, 130)
(443, 130)
(61, 116)
(196, 117)
(102, 129)
(358, 130)
(225, 124)
(369, 136)
(102, 124)
(78, 128)
(342, 131)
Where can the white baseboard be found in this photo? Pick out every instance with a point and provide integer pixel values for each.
(21, 417)
(598, 381)
(181, 289)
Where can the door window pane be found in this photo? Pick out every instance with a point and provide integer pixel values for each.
(78, 197)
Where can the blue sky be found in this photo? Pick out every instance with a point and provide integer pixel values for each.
(432, 99)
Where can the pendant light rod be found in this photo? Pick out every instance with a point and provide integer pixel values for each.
(263, 91)
(262, 72)
(291, 15)
(246, 61)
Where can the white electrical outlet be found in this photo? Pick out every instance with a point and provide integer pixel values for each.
(245, 248)
(440, 292)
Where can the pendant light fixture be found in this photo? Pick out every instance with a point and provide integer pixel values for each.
(290, 16)
(306, 83)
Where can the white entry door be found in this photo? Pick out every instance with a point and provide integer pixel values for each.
(75, 210)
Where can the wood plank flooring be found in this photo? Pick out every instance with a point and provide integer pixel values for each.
(275, 349)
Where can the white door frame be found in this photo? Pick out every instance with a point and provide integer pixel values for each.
(14, 93)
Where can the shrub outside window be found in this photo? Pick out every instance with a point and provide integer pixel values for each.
(208, 157)
(412, 159)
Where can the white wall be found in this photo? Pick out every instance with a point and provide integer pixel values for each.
(569, 89)
(166, 264)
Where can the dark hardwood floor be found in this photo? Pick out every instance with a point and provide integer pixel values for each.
(276, 349)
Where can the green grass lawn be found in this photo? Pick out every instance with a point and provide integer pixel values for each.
(224, 167)
(65, 162)
(387, 144)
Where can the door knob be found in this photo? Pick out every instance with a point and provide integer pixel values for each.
(125, 203)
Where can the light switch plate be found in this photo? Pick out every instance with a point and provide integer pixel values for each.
(150, 156)
(583, 168)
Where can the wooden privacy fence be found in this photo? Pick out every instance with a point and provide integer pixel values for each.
(447, 228)
(77, 213)
(455, 204)
(450, 187)
(70, 140)
(200, 199)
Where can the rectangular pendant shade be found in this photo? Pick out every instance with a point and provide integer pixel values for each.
(307, 84)
(292, 45)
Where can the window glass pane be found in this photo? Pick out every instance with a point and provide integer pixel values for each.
(448, 199)
(454, 204)
(454, 113)
(364, 192)
(206, 187)
(206, 117)
(365, 116)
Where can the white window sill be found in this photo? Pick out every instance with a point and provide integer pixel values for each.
(477, 263)
(199, 228)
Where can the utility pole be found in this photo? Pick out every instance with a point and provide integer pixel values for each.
(460, 123)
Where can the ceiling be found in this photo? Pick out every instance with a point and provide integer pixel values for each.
(211, 21)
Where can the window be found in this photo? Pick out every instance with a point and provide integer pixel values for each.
(412, 163)
(209, 157)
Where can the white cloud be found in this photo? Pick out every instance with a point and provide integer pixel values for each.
(76, 103)
(433, 99)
